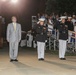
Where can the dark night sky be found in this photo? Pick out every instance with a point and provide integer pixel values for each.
(23, 10)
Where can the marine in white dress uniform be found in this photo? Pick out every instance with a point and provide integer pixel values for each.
(41, 37)
(63, 36)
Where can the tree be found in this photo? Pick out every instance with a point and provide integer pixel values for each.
(61, 6)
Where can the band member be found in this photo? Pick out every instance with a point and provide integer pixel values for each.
(13, 37)
(70, 28)
(41, 37)
(63, 36)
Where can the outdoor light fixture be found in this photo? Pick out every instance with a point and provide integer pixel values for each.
(14, 1)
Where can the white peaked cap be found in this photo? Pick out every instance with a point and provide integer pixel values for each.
(42, 19)
(63, 17)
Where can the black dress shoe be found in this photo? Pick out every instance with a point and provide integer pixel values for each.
(42, 59)
(11, 60)
(16, 60)
(62, 58)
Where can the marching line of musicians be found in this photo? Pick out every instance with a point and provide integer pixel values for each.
(41, 37)
(40, 32)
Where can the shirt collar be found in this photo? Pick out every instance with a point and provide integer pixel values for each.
(14, 23)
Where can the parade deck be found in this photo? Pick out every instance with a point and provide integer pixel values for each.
(29, 65)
